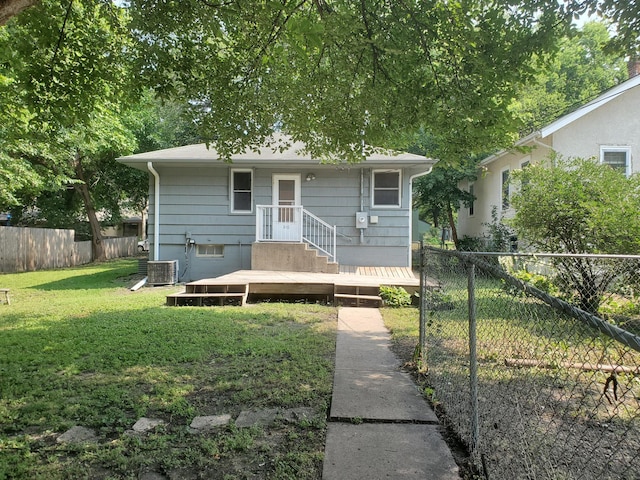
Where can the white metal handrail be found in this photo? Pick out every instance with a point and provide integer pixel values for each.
(283, 223)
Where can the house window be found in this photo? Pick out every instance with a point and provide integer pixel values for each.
(505, 189)
(617, 158)
(216, 251)
(386, 188)
(241, 191)
(472, 202)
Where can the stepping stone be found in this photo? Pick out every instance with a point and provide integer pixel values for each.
(209, 422)
(78, 435)
(261, 417)
(266, 417)
(144, 424)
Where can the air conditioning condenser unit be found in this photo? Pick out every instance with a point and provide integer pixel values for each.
(163, 272)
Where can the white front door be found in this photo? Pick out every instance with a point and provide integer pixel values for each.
(287, 222)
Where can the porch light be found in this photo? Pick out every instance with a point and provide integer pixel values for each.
(310, 176)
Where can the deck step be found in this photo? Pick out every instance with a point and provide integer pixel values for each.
(209, 295)
(357, 296)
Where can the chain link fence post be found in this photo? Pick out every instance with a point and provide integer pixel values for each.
(422, 306)
(473, 361)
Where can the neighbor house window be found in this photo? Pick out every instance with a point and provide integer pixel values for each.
(472, 192)
(618, 158)
(505, 189)
(386, 188)
(241, 191)
(210, 250)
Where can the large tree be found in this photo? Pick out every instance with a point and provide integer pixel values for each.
(63, 73)
(580, 71)
(335, 73)
(579, 206)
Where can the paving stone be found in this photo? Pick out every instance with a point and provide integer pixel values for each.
(210, 421)
(78, 435)
(261, 417)
(146, 424)
(295, 415)
(248, 418)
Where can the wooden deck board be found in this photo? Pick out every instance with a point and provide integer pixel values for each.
(351, 281)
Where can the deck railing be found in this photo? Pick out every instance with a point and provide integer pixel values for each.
(277, 223)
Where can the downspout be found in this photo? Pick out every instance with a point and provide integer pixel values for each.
(156, 211)
(411, 178)
(361, 202)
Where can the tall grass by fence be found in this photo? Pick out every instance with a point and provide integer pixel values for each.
(537, 381)
(32, 249)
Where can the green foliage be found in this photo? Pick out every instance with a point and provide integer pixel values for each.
(471, 244)
(579, 72)
(437, 299)
(335, 74)
(537, 280)
(500, 235)
(395, 296)
(579, 206)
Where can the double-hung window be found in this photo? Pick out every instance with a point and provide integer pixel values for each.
(241, 190)
(618, 158)
(386, 188)
(506, 192)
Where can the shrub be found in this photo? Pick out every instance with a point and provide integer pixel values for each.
(395, 296)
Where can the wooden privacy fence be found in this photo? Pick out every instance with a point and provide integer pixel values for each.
(31, 249)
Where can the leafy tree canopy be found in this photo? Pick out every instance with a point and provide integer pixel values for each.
(335, 73)
(581, 70)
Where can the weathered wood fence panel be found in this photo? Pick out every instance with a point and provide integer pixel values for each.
(32, 249)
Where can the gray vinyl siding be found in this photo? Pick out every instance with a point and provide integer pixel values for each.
(196, 200)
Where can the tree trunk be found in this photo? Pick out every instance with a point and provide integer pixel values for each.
(97, 245)
(452, 224)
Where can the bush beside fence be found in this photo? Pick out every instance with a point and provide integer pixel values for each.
(32, 249)
(536, 387)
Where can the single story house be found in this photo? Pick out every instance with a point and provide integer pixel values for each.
(268, 208)
(606, 129)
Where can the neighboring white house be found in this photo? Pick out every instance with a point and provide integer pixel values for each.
(606, 129)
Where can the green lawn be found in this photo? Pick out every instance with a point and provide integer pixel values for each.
(77, 347)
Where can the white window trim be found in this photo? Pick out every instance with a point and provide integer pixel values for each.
(617, 148)
(503, 207)
(204, 255)
(386, 170)
(232, 208)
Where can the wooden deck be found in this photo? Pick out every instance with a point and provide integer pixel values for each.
(353, 285)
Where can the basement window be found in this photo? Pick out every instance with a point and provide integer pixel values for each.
(617, 158)
(212, 251)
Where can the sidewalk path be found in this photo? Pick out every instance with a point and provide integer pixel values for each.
(380, 426)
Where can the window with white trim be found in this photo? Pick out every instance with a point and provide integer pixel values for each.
(204, 250)
(618, 158)
(386, 188)
(241, 190)
(506, 193)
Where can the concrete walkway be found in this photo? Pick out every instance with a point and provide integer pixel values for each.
(380, 426)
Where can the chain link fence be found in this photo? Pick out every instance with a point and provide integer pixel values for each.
(534, 361)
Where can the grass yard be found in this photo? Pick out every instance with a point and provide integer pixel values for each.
(78, 348)
(547, 422)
